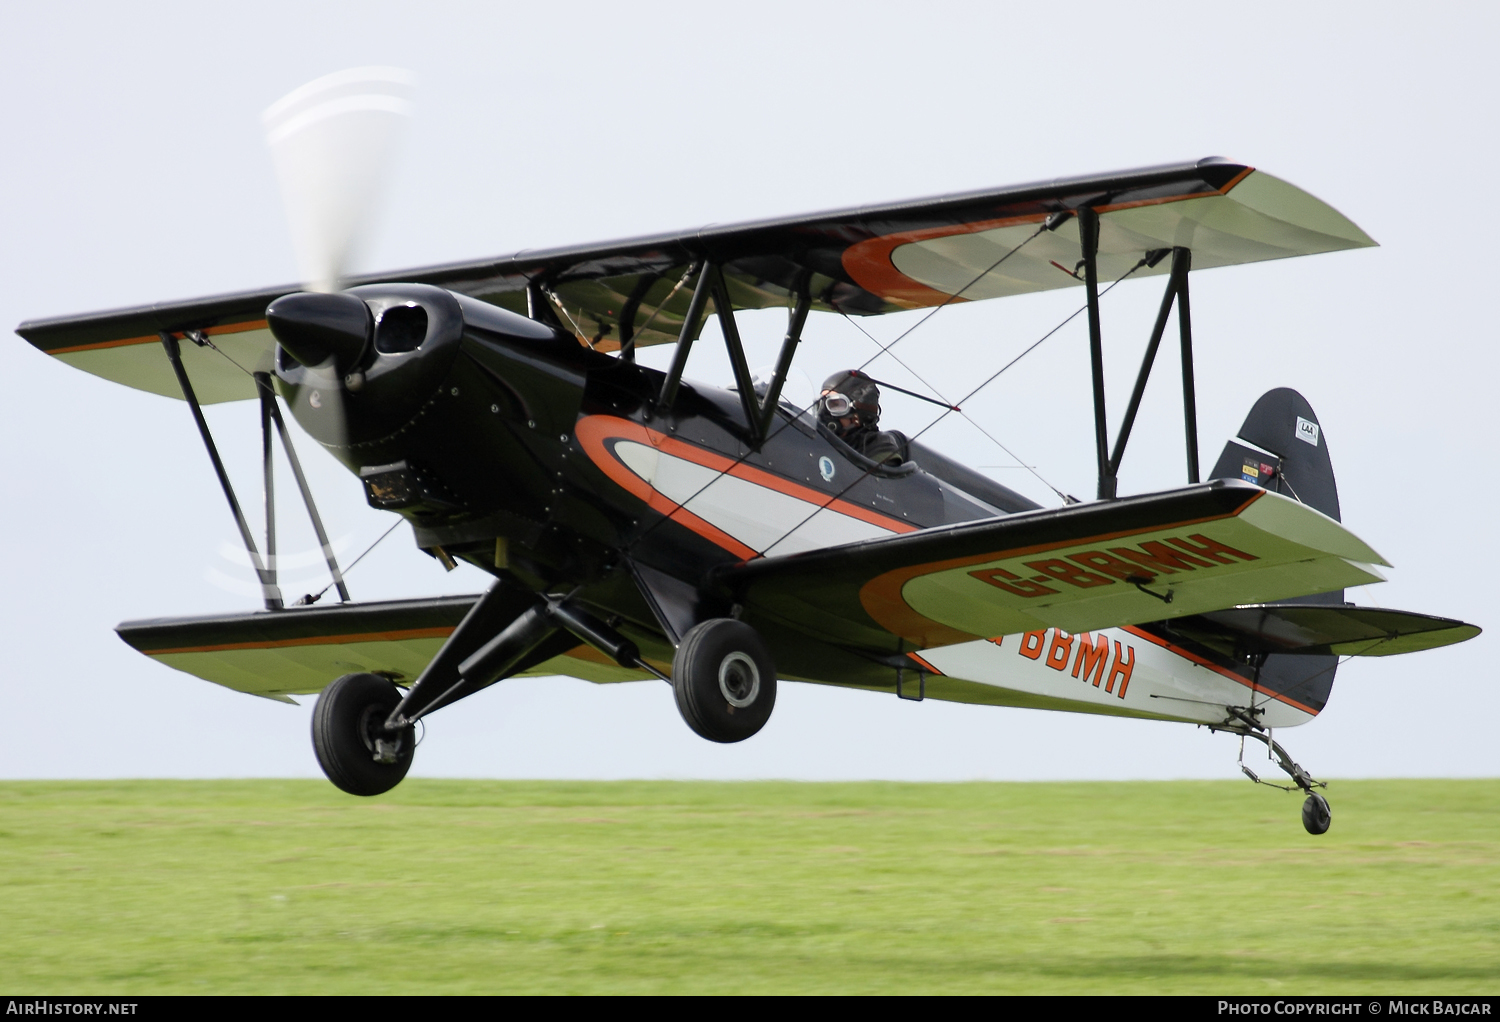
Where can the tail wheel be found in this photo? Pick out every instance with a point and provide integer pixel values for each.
(724, 680)
(1317, 817)
(348, 730)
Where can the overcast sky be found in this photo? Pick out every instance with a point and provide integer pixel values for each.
(137, 172)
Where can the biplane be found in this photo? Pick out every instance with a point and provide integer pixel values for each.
(639, 525)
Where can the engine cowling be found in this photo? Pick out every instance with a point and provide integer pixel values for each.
(358, 365)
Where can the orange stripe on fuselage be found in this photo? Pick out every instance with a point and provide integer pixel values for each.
(595, 431)
(1224, 671)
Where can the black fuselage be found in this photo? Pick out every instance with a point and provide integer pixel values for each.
(493, 436)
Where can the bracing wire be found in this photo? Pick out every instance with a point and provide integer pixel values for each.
(309, 598)
(663, 303)
(1066, 498)
(884, 349)
(312, 598)
(578, 328)
(1338, 662)
(960, 402)
(1041, 229)
(199, 337)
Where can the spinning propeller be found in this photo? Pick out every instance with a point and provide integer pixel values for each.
(332, 142)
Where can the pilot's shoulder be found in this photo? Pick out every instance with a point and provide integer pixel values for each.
(887, 447)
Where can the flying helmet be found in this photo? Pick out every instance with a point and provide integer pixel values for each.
(849, 393)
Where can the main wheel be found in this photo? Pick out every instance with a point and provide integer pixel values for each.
(349, 736)
(1316, 816)
(724, 680)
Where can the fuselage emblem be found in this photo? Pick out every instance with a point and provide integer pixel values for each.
(825, 468)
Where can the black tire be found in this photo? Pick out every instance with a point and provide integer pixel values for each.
(349, 718)
(724, 680)
(1317, 817)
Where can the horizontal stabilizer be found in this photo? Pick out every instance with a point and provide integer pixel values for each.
(1307, 630)
(277, 654)
(1078, 568)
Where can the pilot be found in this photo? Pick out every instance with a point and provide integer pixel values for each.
(850, 408)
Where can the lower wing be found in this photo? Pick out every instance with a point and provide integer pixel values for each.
(1086, 566)
(299, 652)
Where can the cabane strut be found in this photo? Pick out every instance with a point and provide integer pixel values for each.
(758, 411)
(1177, 291)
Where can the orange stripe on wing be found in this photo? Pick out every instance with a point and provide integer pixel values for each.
(869, 262)
(313, 640)
(125, 342)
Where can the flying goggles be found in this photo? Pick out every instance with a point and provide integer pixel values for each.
(837, 405)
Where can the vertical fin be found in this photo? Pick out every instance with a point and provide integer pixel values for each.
(1282, 447)
(1283, 424)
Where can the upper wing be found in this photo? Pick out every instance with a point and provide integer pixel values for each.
(300, 651)
(1078, 568)
(862, 261)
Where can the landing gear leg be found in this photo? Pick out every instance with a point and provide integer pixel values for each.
(1317, 817)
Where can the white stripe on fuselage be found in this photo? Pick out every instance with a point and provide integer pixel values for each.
(756, 515)
(1155, 680)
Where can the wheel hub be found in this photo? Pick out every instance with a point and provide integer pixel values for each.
(739, 680)
(384, 746)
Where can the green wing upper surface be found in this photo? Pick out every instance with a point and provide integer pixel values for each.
(1083, 567)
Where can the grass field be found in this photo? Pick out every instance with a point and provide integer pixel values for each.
(560, 887)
